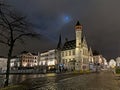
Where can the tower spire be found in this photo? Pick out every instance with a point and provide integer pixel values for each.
(78, 23)
(59, 46)
(78, 26)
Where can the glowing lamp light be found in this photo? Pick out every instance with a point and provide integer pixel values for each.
(24, 64)
(43, 62)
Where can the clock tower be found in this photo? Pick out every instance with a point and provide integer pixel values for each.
(78, 30)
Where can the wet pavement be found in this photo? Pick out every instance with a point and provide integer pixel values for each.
(36, 83)
(96, 81)
(104, 80)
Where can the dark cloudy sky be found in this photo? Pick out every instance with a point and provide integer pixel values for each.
(100, 19)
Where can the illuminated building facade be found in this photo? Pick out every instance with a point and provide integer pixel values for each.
(72, 55)
(98, 59)
(15, 63)
(3, 63)
(75, 54)
(112, 63)
(48, 60)
(118, 61)
(28, 59)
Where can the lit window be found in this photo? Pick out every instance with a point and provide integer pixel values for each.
(69, 53)
(73, 52)
(62, 54)
(66, 53)
(51, 62)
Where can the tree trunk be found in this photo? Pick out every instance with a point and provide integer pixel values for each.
(8, 65)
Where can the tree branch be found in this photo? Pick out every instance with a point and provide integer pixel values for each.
(25, 34)
(4, 36)
(1, 24)
(17, 19)
(3, 42)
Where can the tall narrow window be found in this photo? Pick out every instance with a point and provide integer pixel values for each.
(73, 52)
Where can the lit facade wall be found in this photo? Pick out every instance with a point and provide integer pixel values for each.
(14, 63)
(67, 57)
(91, 59)
(43, 59)
(28, 60)
(3, 64)
(112, 63)
(98, 59)
(49, 58)
(85, 57)
(118, 61)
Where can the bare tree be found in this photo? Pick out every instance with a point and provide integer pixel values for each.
(13, 27)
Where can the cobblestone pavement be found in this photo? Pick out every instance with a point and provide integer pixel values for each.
(97, 81)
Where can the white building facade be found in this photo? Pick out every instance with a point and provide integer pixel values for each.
(118, 61)
(15, 63)
(75, 54)
(28, 59)
(98, 59)
(112, 63)
(48, 60)
(3, 64)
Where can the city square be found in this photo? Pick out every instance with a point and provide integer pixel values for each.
(59, 45)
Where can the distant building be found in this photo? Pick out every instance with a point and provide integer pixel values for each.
(105, 64)
(112, 63)
(15, 63)
(105, 61)
(3, 63)
(118, 61)
(28, 59)
(98, 59)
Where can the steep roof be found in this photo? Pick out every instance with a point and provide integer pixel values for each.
(90, 51)
(77, 24)
(34, 53)
(24, 52)
(69, 45)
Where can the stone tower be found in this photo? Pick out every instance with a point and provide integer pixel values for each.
(78, 30)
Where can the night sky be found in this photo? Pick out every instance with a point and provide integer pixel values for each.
(100, 20)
